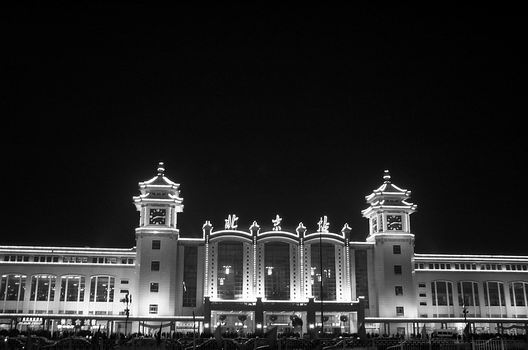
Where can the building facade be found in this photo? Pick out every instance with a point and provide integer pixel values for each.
(248, 279)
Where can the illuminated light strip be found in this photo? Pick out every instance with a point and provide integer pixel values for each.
(66, 248)
(391, 234)
(157, 200)
(316, 234)
(152, 228)
(359, 244)
(221, 232)
(326, 240)
(206, 272)
(247, 239)
(272, 233)
(301, 292)
(278, 238)
(255, 264)
(470, 255)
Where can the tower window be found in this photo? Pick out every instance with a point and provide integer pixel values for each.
(156, 244)
(154, 287)
(399, 311)
(396, 249)
(154, 266)
(398, 290)
(397, 269)
(153, 308)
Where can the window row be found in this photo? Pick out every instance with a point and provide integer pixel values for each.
(43, 288)
(69, 259)
(470, 266)
(468, 293)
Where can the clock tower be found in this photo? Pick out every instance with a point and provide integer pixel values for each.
(390, 232)
(157, 237)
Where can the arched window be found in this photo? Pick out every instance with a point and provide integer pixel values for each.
(328, 275)
(442, 293)
(12, 287)
(230, 270)
(277, 270)
(42, 288)
(102, 288)
(72, 288)
(519, 293)
(494, 293)
(468, 293)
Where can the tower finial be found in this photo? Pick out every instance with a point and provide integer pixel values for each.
(386, 176)
(161, 168)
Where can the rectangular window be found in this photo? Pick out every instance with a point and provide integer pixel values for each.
(397, 269)
(361, 268)
(398, 290)
(190, 276)
(423, 303)
(396, 249)
(153, 308)
(423, 295)
(421, 285)
(156, 244)
(154, 287)
(154, 266)
(399, 311)
(124, 281)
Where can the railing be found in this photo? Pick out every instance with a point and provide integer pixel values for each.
(340, 343)
(498, 344)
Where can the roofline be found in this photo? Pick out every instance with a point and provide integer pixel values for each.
(75, 250)
(469, 257)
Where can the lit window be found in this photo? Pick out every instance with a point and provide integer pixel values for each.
(154, 287)
(398, 290)
(153, 308)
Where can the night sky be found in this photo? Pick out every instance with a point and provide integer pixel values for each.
(261, 113)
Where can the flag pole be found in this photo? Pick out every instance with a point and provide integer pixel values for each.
(321, 273)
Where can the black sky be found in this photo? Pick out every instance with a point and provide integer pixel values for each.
(261, 113)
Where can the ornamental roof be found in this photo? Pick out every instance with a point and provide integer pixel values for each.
(159, 189)
(388, 196)
(159, 179)
(388, 189)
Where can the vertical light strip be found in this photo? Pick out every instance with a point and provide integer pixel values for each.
(301, 293)
(347, 269)
(206, 282)
(254, 265)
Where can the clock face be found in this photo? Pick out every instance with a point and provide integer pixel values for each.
(157, 216)
(394, 222)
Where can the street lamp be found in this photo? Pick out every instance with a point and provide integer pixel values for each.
(127, 300)
(465, 312)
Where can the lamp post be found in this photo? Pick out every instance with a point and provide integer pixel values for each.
(465, 312)
(127, 300)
